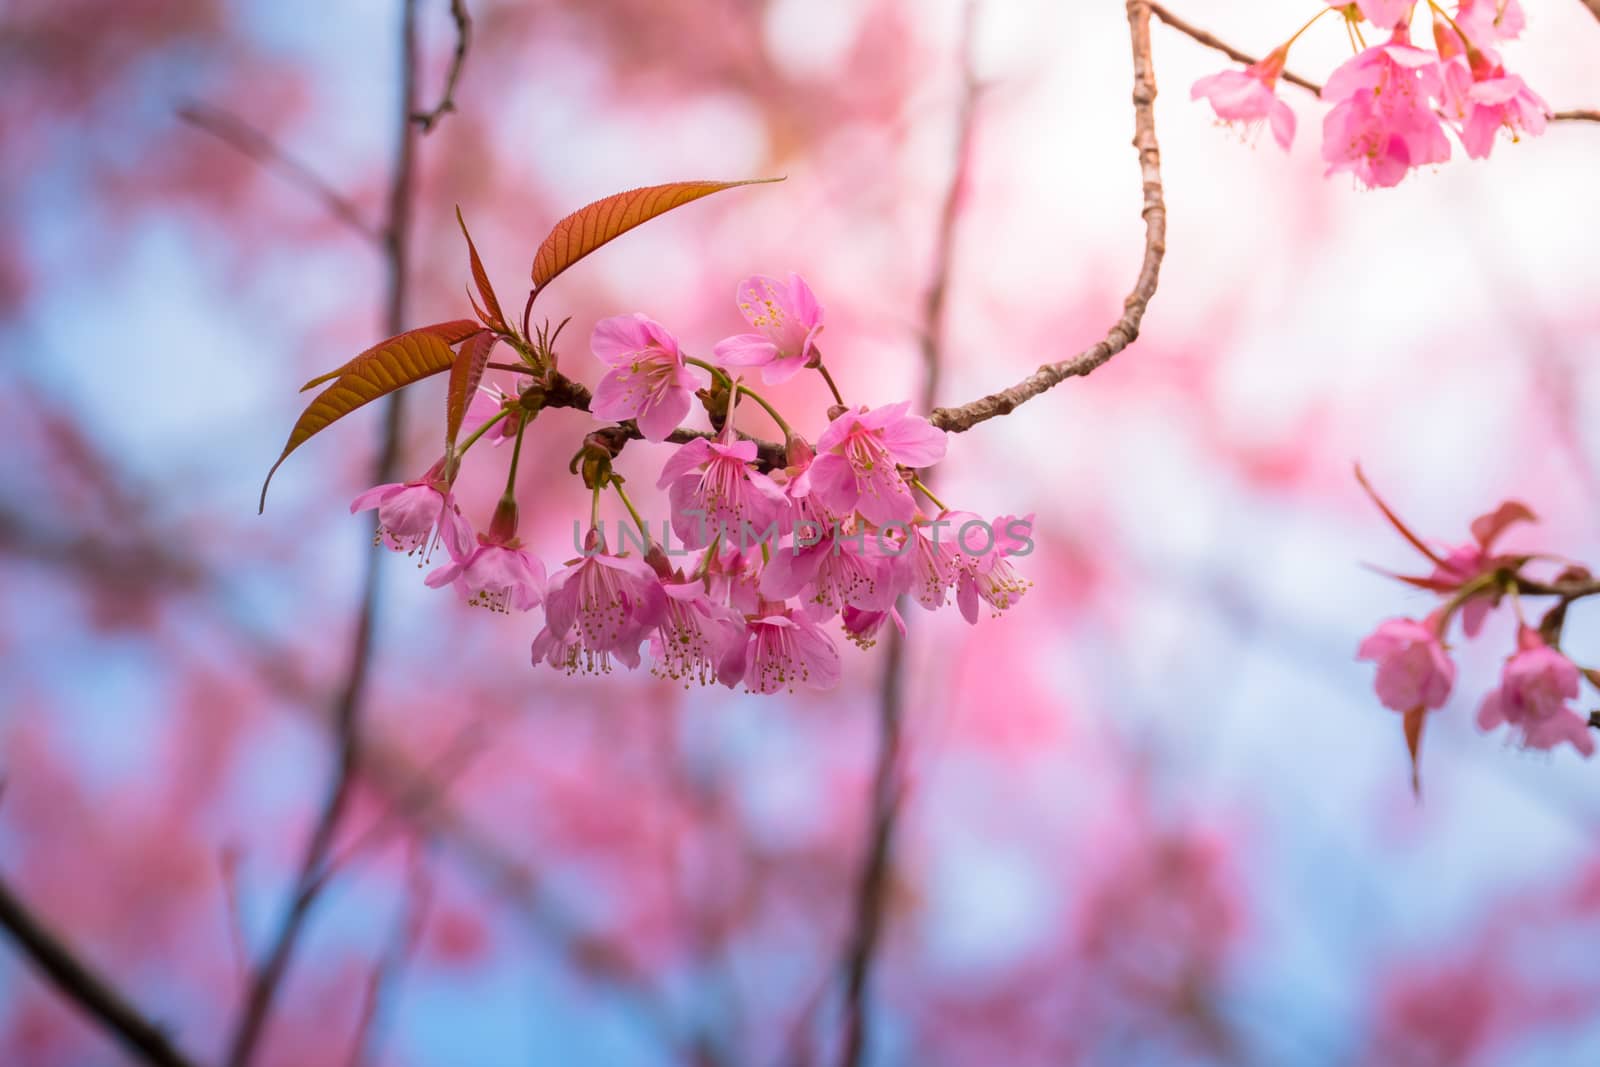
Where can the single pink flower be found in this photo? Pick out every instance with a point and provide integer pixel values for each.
(858, 457)
(411, 514)
(697, 640)
(719, 482)
(648, 381)
(988, 576)
(609, 604)
(1488, 21)
(1384, 14)
(1248, 96)
(784, 649)
(862, 627)
(1487, 100)
(1382, 123)
(1414, 671)
(831, 571)
(788, 319)
(1534, 689)
(933, 563)
(495, 571)
(1462, 564)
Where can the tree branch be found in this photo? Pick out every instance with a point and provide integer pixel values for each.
(84, 987)
(871, 889)
(1126, 329)
(250, 142)
(1227, 49)
(347, 706)
(447, 102)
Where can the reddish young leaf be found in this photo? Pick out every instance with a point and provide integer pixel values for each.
(588, 228)
(465, 374)
(396, 362)
(494, 317)
(451, 333)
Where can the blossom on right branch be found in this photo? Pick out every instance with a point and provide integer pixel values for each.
(1532, 699)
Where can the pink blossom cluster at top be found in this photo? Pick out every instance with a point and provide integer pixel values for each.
(1392, 101)
(840, 531)
(1538, 681)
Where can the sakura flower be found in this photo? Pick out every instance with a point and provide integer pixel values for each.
(933, 563)
(862, 627)
(1534, 689)
(725, 493)
(1485, 100)
(1414, 671)
(409, 514)
(1382, 124)
(1384, 14)
(988, 576)
(609, 603)
(832, 572)
(1487, 21)
(647, 382)
(1247, 96)
(787, 318)
(495, 572)
(858, 456)
(784, 649)
(1464, 564)
(697, 640)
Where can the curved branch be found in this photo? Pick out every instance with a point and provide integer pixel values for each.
(84, 987)
(447, 101)
(1126, 329)
(1227, 49)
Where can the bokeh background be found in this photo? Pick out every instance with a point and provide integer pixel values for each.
(1154, 815)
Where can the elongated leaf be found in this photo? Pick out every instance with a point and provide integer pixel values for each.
(491, 304)
(465, 374)
(397, 362)
(451, 333)
(588, 228)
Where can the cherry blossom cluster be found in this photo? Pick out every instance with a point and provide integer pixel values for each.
(1538, 682)
(760, 552)
(1392, 101)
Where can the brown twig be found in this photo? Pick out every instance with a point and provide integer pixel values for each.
(1593, 6)
(1227, 49)
(78, 983)
(447, 101)
(347, 706)
(1576, 116)
(252, 143)
(1126, 329)
(872, 887)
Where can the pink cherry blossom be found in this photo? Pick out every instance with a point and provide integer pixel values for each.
(647, 382)
(862, 627)
(1382, 123)
(697, 640)
(1384, 14)
(1463, 564)
(1247, 96)
(1414, 671)
(719, 482)
(494, 571)
(1487, 21)
(788, 320)
(1484, 102)
(831, 573)
(784, 649)
(1534, 689)
(858, 456)
(609, 603)
(410, 514)
(933, 563)
(988, 576)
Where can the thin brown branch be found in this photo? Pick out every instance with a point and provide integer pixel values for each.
(1576, 116)
(872, 887)
(1227, 49)
(81, 985)
(1126, 329)
(447, 101)
(1593, 6)
(250, 142)
(347, 705)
